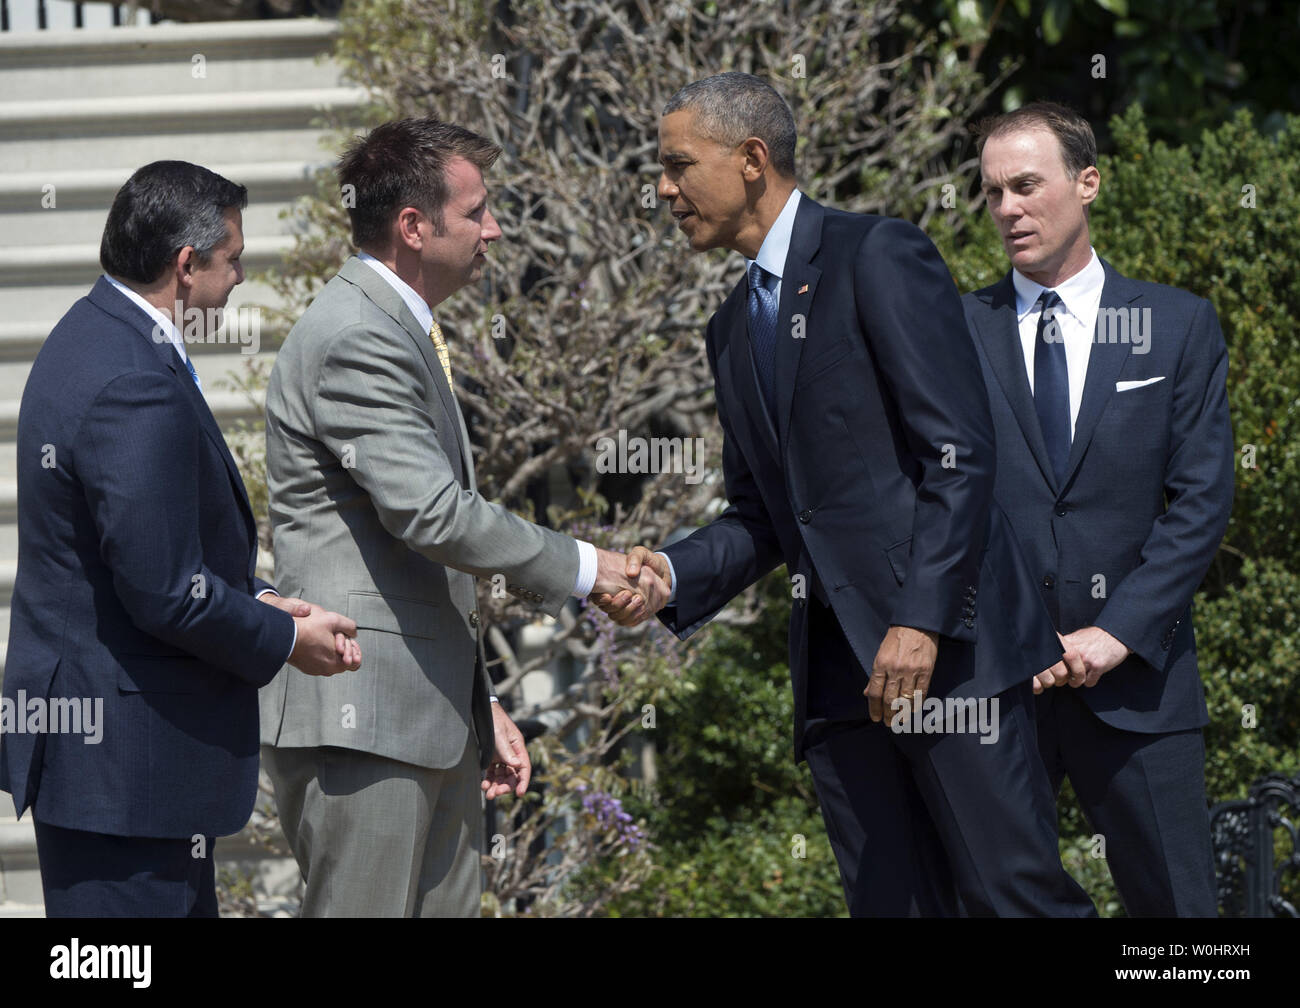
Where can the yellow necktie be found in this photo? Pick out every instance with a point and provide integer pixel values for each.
(440, 344)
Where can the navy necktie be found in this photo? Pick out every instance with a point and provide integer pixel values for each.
(1052, 385)
(762, 334)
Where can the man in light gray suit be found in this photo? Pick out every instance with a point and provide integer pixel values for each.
(376, 514)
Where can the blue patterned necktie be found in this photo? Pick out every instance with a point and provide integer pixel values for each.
(762, 334)
(1052, 385)
(193, 374)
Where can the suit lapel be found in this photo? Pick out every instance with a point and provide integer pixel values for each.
(798, 288)
(1105, 360)
(112, 301)
(390, 302)
(999, 334)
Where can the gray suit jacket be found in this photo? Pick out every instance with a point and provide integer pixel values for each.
(376, 515)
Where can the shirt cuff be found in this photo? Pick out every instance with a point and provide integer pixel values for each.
(672, 573)
(292, 644)
(586, 569)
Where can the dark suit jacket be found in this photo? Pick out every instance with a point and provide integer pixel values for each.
(136, 552)
(1147, 493)
(876, 484)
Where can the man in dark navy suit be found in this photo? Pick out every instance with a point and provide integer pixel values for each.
(135, 594)
(1115, 464)
(858, 450)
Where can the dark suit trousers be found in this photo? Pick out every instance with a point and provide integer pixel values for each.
(86, 874)
(931, 824)
(1146, 795)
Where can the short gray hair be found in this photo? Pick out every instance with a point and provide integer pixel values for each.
(732, 107)
(162, 208)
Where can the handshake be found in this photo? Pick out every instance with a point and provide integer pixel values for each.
(633, 587)
(629, 588)
(326, 642)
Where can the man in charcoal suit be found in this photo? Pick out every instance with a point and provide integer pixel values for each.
(1115, 463)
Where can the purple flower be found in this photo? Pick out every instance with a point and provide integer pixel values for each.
(609, 814)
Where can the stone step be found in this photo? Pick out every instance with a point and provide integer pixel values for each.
(67, 208)
(234, 57)
(8, 569)
(20, 875)
(4, 622)
(62, 135)
(45, 265)
(71, 275)
(22, 910)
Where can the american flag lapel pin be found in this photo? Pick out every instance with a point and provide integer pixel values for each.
(803, 289)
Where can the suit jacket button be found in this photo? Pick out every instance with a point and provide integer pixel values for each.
(805, 516)
(473, 618)
(1049, 581)
(1060, 510)
(970, 623)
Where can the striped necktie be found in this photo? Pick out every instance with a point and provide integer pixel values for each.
(440, 344)
(762, 334)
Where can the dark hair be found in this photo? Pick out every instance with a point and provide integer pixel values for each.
(1078, 145)
(732, 107)
(404, 163)
(162, 208)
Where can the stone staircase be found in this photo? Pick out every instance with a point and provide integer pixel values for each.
(81, 110)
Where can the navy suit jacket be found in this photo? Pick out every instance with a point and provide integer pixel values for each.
(1124, 542)
(135, 585)
(876, 482)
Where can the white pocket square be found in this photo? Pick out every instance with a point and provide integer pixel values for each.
(1124, 386)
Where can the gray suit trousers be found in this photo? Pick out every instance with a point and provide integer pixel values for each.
(375, 837)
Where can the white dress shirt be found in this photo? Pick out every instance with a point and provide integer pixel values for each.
(776, 244)
(1076, 316)
(586, 579)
